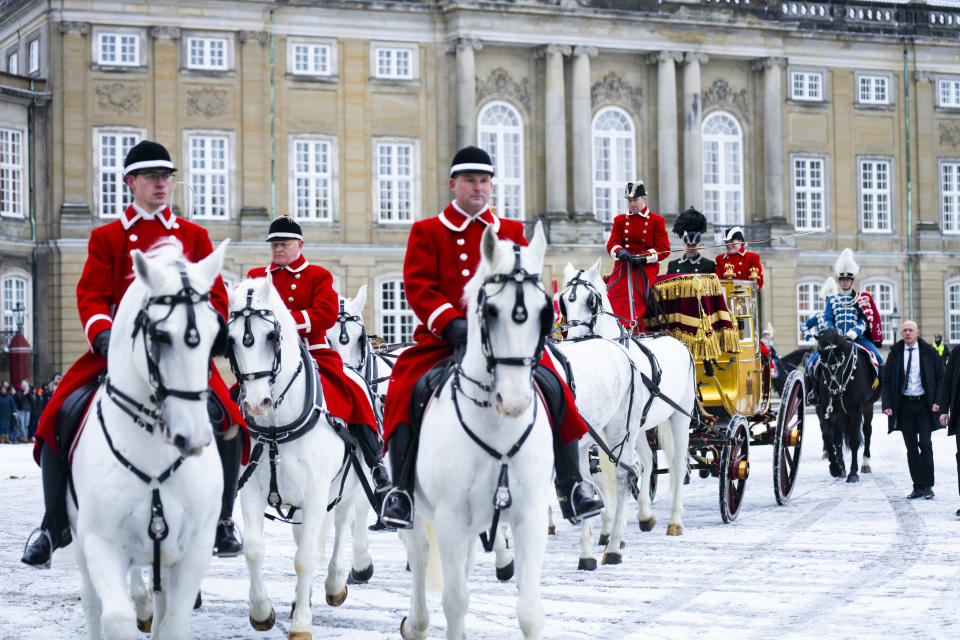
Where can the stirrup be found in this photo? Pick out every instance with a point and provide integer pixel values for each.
(577, 518)
(398, 523)
(46, 534)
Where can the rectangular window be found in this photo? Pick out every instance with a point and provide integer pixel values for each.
(112, 148)
(808, 194)
(391, 62)
(953, 313)
(13, 64)
(33, 56)
(119, 49)
(875, 196)
(394, 181)
(207, 53)
(11, 173)
(806, 85)
(313, 179)
(873, 89)
(809, 303)
(207, 163)
(14, 300)
(948, 92)
(311, 59)
(397, 320)
(950, 196)
(882, 294)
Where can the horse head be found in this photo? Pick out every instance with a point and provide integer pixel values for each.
(348, 336)
(508, 316)
(262, 336)
(832, 345)
(174, 330)
(583, 299)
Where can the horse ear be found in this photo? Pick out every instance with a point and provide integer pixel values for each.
(538, 247)
(594, 271)
(488, 245)
(142, 267)
(568, 273)
(361, 300)
(210, 266)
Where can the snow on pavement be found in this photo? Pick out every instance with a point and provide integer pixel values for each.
(838, 561)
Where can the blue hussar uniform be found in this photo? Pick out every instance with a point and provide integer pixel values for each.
(844, 314)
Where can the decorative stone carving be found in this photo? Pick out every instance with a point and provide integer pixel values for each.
(691, 56)
(613, 89)
(922, 76)
(120, 98)
(253, 36)
(544, 50)
(454, 44)
(83, 28)
(664, 56)
(767, 63)
(500, 84)
(949, 134)
(171, 33)
(722, 94)
(583, 50)
(207, 102)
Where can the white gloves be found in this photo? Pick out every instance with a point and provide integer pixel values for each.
(852, 335)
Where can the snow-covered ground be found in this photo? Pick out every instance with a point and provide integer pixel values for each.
(839, 561)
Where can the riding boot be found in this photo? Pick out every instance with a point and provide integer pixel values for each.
(54, 531)
(579, 500)
(372, 452)
(397, 508)
(227, 543)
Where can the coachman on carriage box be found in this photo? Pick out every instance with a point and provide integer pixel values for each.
(108, 271)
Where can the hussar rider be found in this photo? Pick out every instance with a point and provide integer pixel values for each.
(851, 313)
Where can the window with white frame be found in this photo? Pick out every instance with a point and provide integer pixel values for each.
(11, 173)
(111, 149)
(806, 85)
(500, 133)
(312, 178)
(948, 92)
(950, 196)
(808, 194)
(209, 174)
(118, 49)
(953, 312)
(875, 193)
(313, 59)
(397, 319)
(722, 141)
(810, 302)
(613, 154)
(883, 295)
(13, 63)
(207, 53)
(395, 180)
(15, 294)
(394, 63)
(873, 89)
(33, 56)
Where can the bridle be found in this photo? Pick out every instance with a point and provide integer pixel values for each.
(248, 313)
(839, 372)
(342, 319)
(593, 302)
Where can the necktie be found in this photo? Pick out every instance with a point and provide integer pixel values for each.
(906, 377)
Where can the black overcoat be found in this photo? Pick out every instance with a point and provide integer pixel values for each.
(949, 396)
(891, 382)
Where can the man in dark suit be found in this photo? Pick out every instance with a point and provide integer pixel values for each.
(949, 401)
(909, 386)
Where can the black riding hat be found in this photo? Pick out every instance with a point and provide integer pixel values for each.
(473, 159)
(284, 228)
(147, 155)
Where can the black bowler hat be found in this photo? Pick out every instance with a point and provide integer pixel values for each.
(472, 159)
(635, 190)
(284, 228)
(147, 155)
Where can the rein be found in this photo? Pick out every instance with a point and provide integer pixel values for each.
(247, 313)
(838, 375)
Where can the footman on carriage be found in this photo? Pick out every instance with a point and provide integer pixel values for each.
(737, 263)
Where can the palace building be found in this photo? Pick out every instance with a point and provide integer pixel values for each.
(837, 119)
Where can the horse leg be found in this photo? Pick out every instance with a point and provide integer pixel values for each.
(414, 626)
(503, 556)
(182, 585)
(612, 553)
(587, 562)
(644, 512)
(118, 619)
(867, 435)
(253, 501)
(307, 537)
(853, 437)
(92, 607)
(362, 569)
(530, 541)
(453, 545)
(678, 443)
(142, 600)
(336, 582)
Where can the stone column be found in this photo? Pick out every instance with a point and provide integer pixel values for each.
(772, 134)
(555, 130)
(466, 88)
(580, 113)
(692, 120)
(254, 168)
(78, 175)
(667, 196)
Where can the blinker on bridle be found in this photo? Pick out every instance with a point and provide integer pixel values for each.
(344, 338)
(248, 312)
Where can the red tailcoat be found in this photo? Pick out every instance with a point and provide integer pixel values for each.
(742, 262)
(106, 275)
(307, 290)
(443, 253)
(639, 233)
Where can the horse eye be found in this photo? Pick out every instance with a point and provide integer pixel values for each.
(162, 337)
(490, 310)
(273, 335)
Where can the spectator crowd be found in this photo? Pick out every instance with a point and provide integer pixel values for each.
(20, 409)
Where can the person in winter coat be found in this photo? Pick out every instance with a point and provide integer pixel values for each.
(949, 400)
(8, 416)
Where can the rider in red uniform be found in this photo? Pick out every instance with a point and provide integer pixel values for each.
(148, 172)
(307, 290)
(741, 259)
(442, 255)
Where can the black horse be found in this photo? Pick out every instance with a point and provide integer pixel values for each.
(846, 390)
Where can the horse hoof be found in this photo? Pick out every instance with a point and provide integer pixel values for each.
(604, 540)
(647, 525)
(264, 625)
(360, 577)
(505, 573)
(337, 599)
(403, 628)
(145, 625)
(587, 564)
(612, 557)
(198, 602)
(301, 635)
(552, 530)
(824, 456)
(853, 478)
(674, 529)
(866, 468)
(623, 545)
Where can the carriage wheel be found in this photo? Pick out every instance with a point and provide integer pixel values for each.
(734, 468)
(788, 438)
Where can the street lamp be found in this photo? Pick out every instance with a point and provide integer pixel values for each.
(894, 321)
(19, 312)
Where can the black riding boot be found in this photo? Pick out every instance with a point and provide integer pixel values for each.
(372, 452)
(578, 499)
(227, 543)
(397, 508)
(54, 531)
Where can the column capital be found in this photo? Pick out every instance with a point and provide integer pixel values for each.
(762, 64)
(584, 50)
(664, 56)
(161, 32)
(458, 44)
(922, 76)
(83, 28)
(546, 50)
(695, 56)
(254, 36)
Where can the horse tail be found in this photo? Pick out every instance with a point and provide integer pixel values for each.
(434, 568)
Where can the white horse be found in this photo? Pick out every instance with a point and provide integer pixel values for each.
(147, 483)
(490, 394)
(613, 398)
(301, 464)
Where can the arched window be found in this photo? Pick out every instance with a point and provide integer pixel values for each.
(396, 320)
(953, 311)
(15, 299)
(884, 296)
(613, 154)
(809, 302)
(722, 169)
(500, 133)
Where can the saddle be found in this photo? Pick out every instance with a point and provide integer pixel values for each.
(71, 414)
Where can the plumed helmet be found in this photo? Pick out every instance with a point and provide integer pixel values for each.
(768, 331)
(830, 287)
(284, 228)
(734, 233)
(690, 225)
(147, 155)
(635, 189)
(473, 159)
(846, 266)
